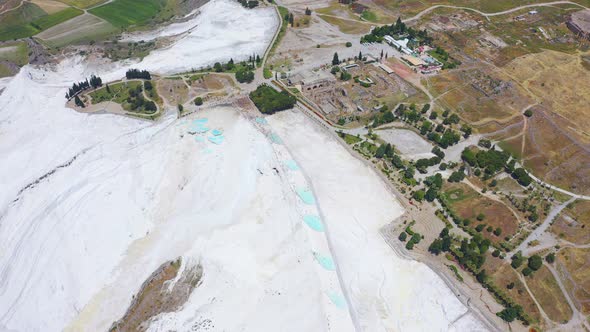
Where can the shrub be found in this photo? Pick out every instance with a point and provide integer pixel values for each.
(403, 236)
(348, 44)
(527, 271)
(498, 231)
(244, 75)
(510, 313)
(198, 101)
(528, 113)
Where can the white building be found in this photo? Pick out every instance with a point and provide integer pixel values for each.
(403, 44)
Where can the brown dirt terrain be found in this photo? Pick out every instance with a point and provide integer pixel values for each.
(573, 223)
(173, 91)
(467, 204)
(156, 296)
(547, 292)
(479, 96)
(574, 266)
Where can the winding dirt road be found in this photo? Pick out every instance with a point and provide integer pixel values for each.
(487, 15)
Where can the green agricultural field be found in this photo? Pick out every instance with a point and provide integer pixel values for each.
(123, 13)
(48, 21)
(4, 71)
(30, 19)
(83, 3)
(15, 52)
(15, 24)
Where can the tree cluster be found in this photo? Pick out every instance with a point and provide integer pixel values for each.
(269, 100)
(249, 3)
(76, 88)
(138, 74)
(244, 75)
(398, 28)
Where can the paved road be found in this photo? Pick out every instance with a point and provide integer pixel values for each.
(542, 228)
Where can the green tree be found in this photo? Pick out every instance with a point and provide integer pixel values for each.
(198, 101)
(550, 258)
(419, 195)
(435, 247)
(517, 260)
(79, 102)
(481, 276)
(535, 262)
(335, 60)
(380, 151)
(431, 194)
(244, 75)
(510, 313)
(403, 236)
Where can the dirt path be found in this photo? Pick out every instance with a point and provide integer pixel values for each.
(488, 15)
(13, 8)
(578, 319)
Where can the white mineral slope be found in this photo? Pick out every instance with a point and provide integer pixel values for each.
(386, 292)
(76, 246)
(92, 204)
(223, 30)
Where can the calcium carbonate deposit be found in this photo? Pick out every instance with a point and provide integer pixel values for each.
(283, 221)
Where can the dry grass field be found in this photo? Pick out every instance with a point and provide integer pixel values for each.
(82, 28)
(503, 275)
(574, 266)
(547, 292)
(556, 155)
(478, 95)
(50, 6)
(560, 81)
(468, 204)
(573, 223)
(173, 91)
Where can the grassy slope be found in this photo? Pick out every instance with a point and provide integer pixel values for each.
(83, 3)
(48, 21)
(123, 13)
(15, 24)
(30, 19)
(18, 56)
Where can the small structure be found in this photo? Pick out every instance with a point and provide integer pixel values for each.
(385, 68)
(413, 61)
(399, 44)
(313, 80)
(533, 12)
(579, 23)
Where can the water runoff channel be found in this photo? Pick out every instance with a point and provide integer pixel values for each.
(335, 299)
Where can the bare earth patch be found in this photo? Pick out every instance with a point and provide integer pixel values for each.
(164, 291)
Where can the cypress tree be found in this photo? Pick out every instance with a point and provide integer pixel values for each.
(335, 60)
